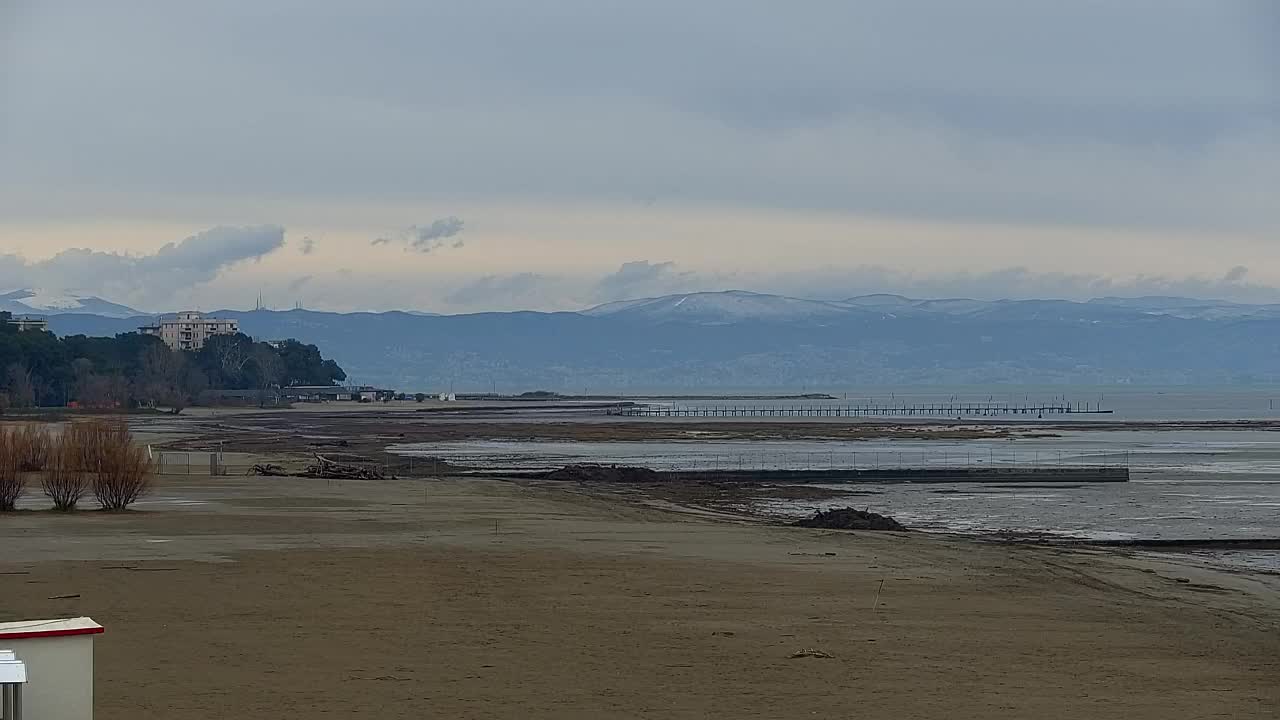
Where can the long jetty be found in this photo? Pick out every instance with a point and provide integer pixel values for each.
(945, 410)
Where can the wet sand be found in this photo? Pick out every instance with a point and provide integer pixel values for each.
(292, 598)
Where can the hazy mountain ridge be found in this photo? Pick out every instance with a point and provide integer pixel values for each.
(738, 305)
(42, 302)
(745, 340)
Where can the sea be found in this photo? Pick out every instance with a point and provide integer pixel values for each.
(1203, 482)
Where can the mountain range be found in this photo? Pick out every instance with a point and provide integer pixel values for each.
(41, 302)
(705, 342)
(739, 306)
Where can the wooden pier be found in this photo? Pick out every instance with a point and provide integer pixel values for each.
(963, 410)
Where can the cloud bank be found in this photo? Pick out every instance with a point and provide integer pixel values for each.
(994, 110)
(149, 280)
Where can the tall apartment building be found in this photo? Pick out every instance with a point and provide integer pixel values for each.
(190, 330)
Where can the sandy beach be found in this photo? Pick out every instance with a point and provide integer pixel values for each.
(293, 598)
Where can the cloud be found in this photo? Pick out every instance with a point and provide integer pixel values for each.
(990, 110)
(539, 291)
(641, 278)
(424, 239)
(1235, 275)
(149, 279)
(297, 283)
(514, 291)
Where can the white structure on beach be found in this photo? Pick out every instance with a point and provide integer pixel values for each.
(57, 656)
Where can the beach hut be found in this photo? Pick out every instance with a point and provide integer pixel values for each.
(56, 657)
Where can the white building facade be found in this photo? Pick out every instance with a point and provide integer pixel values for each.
(190, 330)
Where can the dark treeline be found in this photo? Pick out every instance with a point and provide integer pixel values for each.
(133, 370)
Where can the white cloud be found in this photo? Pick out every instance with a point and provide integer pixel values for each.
(426, 238)
(147, 279)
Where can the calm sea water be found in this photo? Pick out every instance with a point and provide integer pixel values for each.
(1186, 484)
(1125, 402)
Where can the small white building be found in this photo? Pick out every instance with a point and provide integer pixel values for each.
(25, 323)
(190, 329)
(58, 658)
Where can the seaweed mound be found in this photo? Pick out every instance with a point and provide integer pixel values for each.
(850, 519)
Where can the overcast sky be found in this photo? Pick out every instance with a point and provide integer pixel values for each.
(495, 154)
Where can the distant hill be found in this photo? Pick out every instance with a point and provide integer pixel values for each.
(703, 341)
(38, 302)
(719, 308)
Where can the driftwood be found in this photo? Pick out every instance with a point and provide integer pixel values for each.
(330, 470)
(811, 653)
(268, 470)
(324, 469)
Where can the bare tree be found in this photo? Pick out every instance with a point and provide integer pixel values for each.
(82, 378)
(66, 479)
(268, 369)
(231, 354)
(162, 378)
(22, 391)
(12, 480)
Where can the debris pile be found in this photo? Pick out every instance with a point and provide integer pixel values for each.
(268, 470)
(324, 469)
(330, 470)
(850, 519)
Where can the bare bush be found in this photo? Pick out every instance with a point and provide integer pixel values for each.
(32, 444)
(121, 470)
(12, 480)
(92, 438)
(65, 479)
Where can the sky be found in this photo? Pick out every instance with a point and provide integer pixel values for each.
(502, 154)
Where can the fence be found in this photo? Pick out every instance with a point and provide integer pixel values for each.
(179, 463)
(942, 410)
(955, 459)
(213, 464)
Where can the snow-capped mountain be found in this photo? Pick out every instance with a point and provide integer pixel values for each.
(40, 302)
(714, 308)
(748, 340)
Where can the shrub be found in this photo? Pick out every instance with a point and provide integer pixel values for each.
(12, 480)
(31, 445)
(65, 479)
(123, 471)
(92, 439)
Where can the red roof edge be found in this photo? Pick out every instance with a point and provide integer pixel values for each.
(28, 634)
